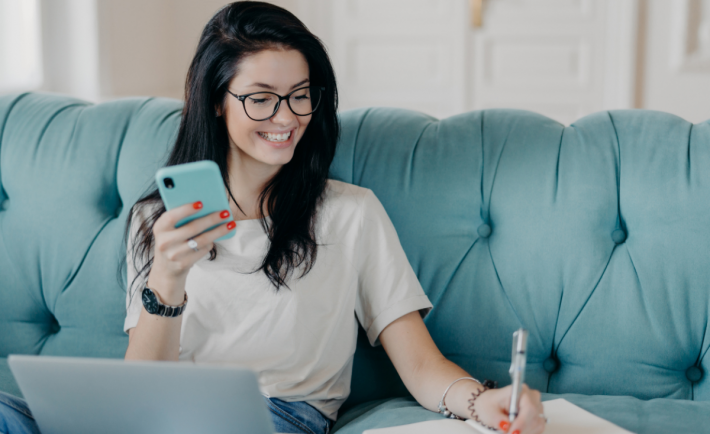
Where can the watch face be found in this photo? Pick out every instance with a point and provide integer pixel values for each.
(150, 301)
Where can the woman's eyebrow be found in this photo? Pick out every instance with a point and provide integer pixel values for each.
(272, 88)
(299, 84)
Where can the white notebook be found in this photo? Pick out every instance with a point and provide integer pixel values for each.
(563, 417)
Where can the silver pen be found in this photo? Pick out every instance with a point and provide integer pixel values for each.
(517, 370)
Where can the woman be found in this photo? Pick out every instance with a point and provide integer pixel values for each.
(310, 257)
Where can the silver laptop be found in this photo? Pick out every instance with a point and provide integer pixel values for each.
(92, 396)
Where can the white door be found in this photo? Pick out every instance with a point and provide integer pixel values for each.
(404, 53)
(561, 58)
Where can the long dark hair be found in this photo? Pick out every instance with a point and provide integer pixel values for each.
(293, 196)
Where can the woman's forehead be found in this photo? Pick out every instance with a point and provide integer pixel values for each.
(274, 70)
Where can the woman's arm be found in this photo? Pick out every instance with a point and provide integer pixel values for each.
(427, 374)
(155, 337)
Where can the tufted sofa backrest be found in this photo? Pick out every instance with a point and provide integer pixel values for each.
(594, 237)
(69, 173)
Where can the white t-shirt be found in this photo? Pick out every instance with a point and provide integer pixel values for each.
(301, 340)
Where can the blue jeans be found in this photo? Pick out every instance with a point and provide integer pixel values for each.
(288, 417)
(15, 416)
(297, 417)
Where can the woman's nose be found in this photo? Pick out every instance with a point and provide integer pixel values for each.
(283, 115)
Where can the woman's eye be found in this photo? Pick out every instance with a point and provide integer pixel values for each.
(258, 101)
(301, 97)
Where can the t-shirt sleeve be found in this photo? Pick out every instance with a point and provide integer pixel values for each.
(388, 288)
(134, 287)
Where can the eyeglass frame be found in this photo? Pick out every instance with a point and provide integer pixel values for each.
(287, 97)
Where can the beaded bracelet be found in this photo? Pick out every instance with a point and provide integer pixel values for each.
(487, 385)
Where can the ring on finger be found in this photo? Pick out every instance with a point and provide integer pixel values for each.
(192, 244)
(542, 415)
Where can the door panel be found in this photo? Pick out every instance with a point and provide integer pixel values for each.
(404, 53)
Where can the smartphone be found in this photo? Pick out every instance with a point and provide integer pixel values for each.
(190, 182)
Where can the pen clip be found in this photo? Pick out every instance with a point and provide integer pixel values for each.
(520, 342)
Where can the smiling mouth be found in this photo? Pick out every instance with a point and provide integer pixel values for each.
(276, 138)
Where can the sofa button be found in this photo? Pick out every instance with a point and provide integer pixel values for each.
(550, 365)
(484, 231)
(619, 236)
(694, 374)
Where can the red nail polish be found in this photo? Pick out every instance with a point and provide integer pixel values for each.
(197, 205)
(504, 425)
(231, 226)
(517, 431)
(224, 214)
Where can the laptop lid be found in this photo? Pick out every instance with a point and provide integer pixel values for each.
(82, 395)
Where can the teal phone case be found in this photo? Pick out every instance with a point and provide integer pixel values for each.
(201, 181)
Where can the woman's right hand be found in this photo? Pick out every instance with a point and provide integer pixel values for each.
(173, 257)
(492, 408)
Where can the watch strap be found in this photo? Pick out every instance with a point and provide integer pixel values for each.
(171, 311)
(165, 310)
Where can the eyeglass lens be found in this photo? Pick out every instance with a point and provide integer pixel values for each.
(263, 105)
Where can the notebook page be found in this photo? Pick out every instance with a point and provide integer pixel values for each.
(566, 418)
(444, 426)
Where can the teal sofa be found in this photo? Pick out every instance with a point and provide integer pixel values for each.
(594, 237)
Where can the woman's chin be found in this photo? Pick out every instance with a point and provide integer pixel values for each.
(276, 158)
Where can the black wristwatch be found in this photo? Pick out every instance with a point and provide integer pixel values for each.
(153, 306)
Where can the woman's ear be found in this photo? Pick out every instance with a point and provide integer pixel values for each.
(219, 109)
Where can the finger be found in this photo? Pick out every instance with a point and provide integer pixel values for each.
(175, 246)
(521, 421)
(498, 420)
(503, 401)
(529, 426)
(184, 254)
(520, 425)
(205, 241)
(199, 225)
(176, 238)
(169, 219)
(529, 420)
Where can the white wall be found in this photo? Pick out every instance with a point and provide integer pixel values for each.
(137, 48)
(148, 45)
(104, 49)
(20, 45)
(676, 64)
(70, 48)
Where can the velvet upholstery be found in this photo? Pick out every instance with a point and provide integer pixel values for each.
(595, 237)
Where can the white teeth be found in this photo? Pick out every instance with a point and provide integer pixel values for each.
(276, 137)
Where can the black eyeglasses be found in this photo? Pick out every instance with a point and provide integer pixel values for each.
(260, 106)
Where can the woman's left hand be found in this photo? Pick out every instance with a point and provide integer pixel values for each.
(492, 409)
